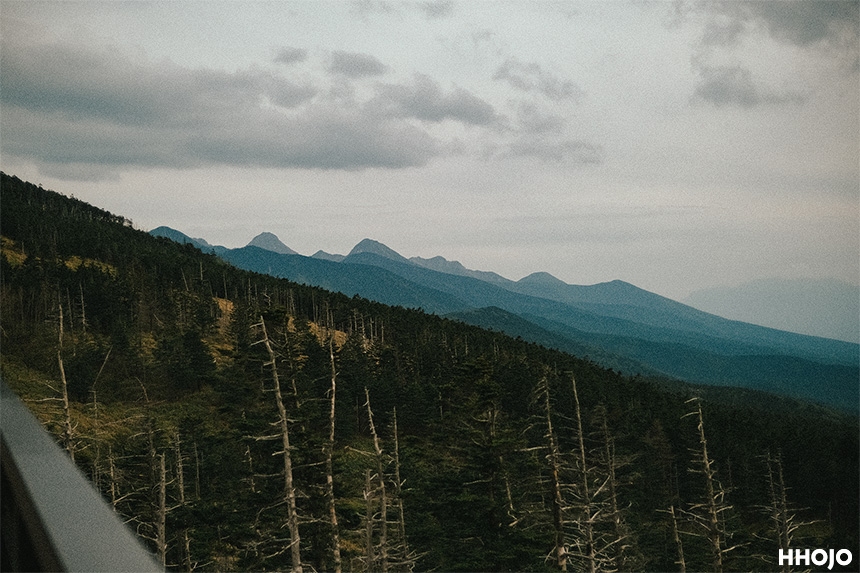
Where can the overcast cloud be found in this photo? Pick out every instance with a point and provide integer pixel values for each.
(674, 145)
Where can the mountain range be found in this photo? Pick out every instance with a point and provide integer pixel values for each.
(615, 324)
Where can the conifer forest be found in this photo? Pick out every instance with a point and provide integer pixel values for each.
(240, 422)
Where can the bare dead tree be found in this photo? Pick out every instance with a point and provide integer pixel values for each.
(383, 501)
(406, 560)
(289, 495)
(623, 553)
(707, 514)
(783, 515)
(370, 557)
(250, 460)
(83, 309)
(113, 479)
(329, 471)
(557, 502)
(679, 545)
(180, 478)
(161, 515)
(398, 483)
(196, 473)
(68, 439)
(590, 553)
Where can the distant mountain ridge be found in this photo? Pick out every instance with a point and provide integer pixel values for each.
(615, 323)
(271, 242)
(327, 256)
(376, 248)
(443, 265)
(181, 237)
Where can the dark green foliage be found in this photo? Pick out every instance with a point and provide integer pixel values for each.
(162, 333)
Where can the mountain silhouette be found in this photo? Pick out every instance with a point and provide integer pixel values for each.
(271, 242)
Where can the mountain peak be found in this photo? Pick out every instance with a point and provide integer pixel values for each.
(541, 278)
(327, 256)
(377, 248)
(271, 242)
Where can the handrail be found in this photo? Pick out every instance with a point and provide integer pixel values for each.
(53, 519)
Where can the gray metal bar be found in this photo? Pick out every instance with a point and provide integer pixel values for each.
(52, 516)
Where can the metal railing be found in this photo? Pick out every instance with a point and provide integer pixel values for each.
(51, 516)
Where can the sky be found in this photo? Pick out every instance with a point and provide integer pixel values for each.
(674, 145)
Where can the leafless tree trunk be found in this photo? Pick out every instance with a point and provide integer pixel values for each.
(368, 522)
(329, 470)
(621, 533)
(289, 489)
(161, 523)
(682, 564)
(714, 504)
(590, 550)
(97, 463)
(196, 473)
(714, 534)
(113, 483)
(68, 441)
(250, 468)
(784, 523)
(407, 561)
(557, 501)
(83, 310)
(383, 501)
(180, 477)
(398, 483)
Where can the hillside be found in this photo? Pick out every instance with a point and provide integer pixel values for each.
(642, 328)
(434, 445)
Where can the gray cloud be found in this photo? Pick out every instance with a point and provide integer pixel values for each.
(84, 114)
(574, 151)
(532, 78)
(437, 8)
(291, 55)
(424, 100)
(365, 8)
(355, 65)
(734, 86)
(76, 112)
(803, 23)
(105, 86)
(723, 32)
(532, 120)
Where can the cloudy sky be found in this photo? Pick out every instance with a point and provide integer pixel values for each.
(675, 145)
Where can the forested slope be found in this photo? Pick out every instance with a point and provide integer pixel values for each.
(243, 422)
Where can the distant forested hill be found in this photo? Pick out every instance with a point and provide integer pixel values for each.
(289, 426)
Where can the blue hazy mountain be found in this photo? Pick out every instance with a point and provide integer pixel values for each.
(328, 256)
(615, 323)
(823, 307)
(443, 265)
(366, 281)
(180, 237)
(271, 242)
(638, 313)
(376, 248)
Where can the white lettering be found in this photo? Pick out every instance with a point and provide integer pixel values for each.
(798, 556)
(817, 557)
